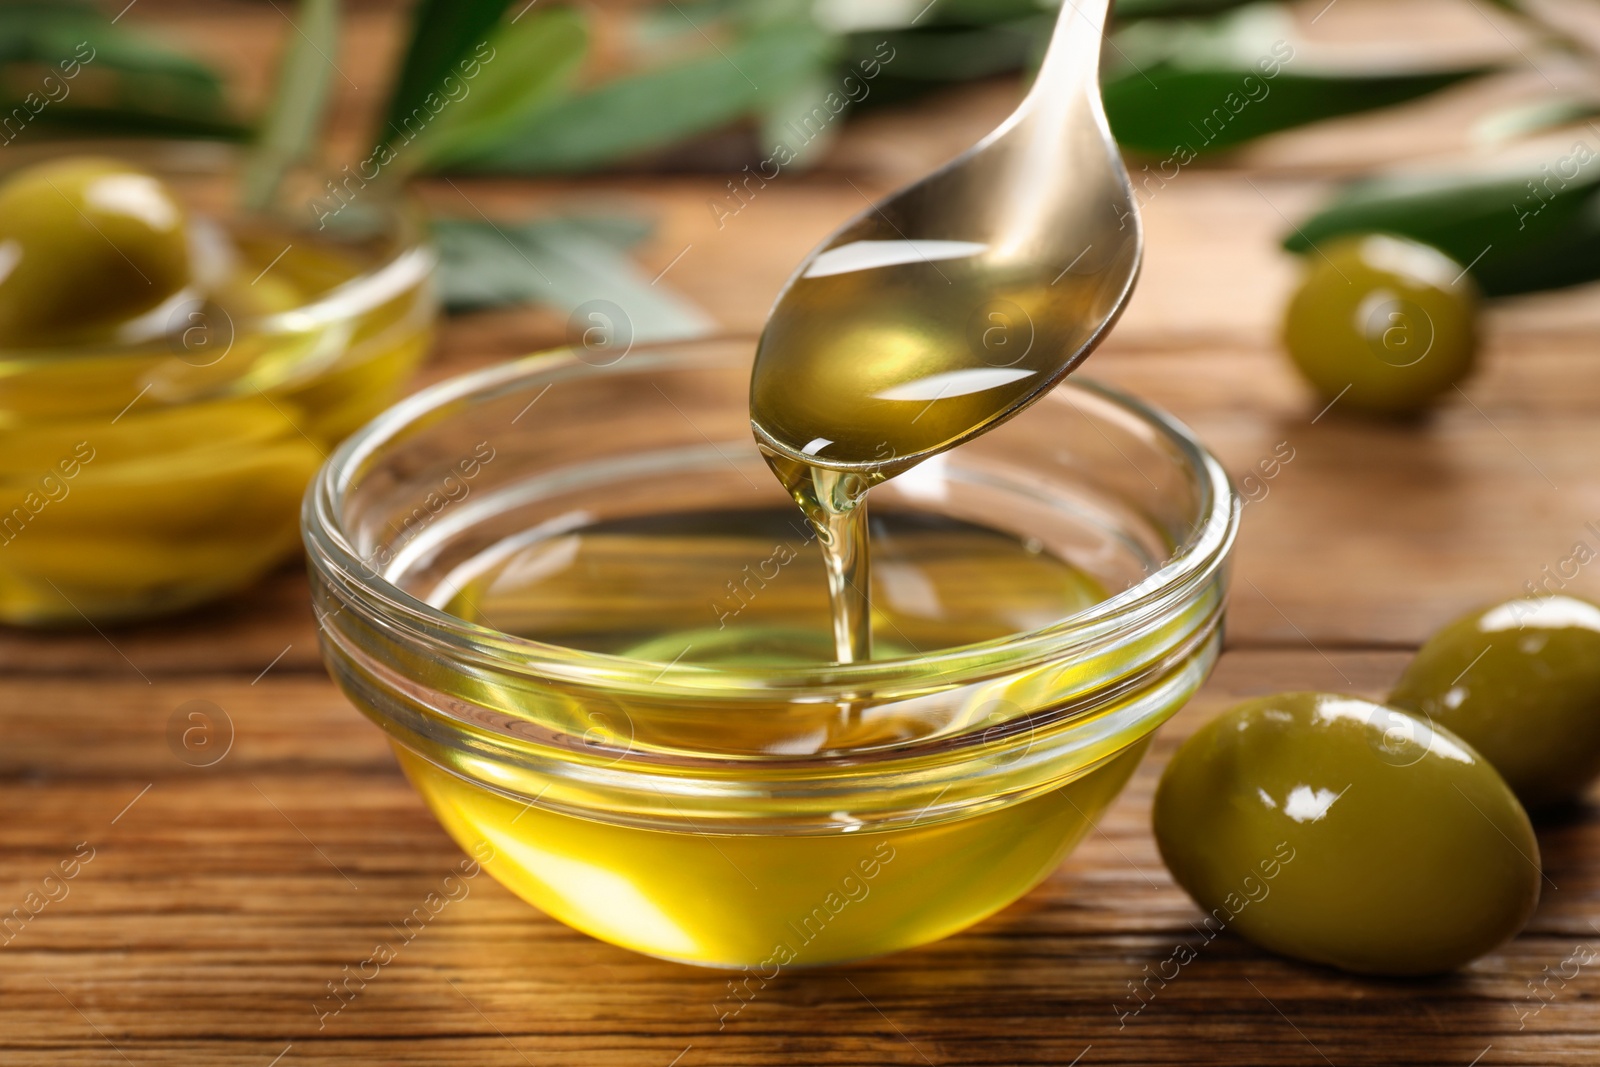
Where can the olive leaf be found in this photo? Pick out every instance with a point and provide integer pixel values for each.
(686, 25)
(1191, 87)
(574, 264)
(656, 108)
(289, 132)
(858, 16)
(1168, 110)
(954, 54)
(68, 65)
(664, 29)
(1127, 10)
(442, 32)
(1519, 230)
(790, 111)
(983, 12)
(528, 63)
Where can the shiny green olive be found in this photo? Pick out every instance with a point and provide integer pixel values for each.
(1520, 682)
(1382, 324)
(1347, 833)
(85, 244)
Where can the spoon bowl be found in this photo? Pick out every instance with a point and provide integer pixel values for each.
(952, 305)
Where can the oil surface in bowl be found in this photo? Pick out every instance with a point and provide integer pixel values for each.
(742, 589)
(745, 588)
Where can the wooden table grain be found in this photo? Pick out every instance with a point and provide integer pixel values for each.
(209, 908)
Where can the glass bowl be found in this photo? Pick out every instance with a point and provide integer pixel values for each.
(164, 466)
(749, 814)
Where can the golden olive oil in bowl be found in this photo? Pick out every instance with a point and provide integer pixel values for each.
(601, 644)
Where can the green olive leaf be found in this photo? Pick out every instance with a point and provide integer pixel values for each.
(442, 32)
(1519, 230)
(663, 29)
(1128, 10)
(796, 110)
(525, 65)
(876, 16)
(954, 54)
(1184, 88)
(1234, 39)
(565, 262)
(983, 12)
(653, 109)
(289, 132)
(68, 65)
(1171, 111)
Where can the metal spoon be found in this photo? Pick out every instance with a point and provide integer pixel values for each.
(958, 301)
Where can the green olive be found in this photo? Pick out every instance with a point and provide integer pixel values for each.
(1520, 682)
(1383, 324)
(85, 244)
(1347, 833)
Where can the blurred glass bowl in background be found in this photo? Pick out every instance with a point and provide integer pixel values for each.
(163, 466)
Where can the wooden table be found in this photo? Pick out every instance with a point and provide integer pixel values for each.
(220, 901)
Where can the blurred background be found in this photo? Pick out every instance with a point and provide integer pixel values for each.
(669, 163)
(660, 126)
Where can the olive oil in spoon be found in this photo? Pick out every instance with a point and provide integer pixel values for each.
(944, 310)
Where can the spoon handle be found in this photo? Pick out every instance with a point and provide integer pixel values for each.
(1072, 62)
(1060, 145)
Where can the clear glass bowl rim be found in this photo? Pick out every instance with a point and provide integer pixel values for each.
(1193, 562)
